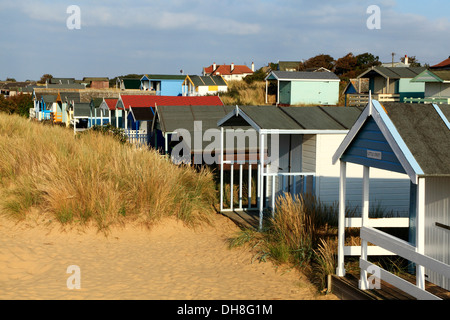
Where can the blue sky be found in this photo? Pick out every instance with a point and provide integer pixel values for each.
(166, 36)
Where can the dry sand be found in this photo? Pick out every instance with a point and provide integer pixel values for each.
(168, 262)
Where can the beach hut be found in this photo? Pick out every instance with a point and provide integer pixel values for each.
(295, 152)
(412, 140)
(163, 84)
(190, 122)
(305, 88)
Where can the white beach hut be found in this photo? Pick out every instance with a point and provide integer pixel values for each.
(414, 140)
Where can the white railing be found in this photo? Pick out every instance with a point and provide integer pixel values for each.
(405, 250)
(375, 223)
(363, 99)
(137, 137)
(443, 100)
(275, 183)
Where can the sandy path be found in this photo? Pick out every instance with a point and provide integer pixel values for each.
(165, 263)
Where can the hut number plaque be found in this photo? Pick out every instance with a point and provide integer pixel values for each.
(374, 154)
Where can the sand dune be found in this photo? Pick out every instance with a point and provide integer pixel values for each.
(168, 262)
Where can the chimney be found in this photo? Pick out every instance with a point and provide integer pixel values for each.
(253, 66)
(232, 67)
(214, 67)
(406, 60)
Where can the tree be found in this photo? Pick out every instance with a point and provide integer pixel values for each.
(367, 60)
(320, 61)
(19, 104)
(44, 78)
(345, 66)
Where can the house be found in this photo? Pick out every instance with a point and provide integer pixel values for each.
(96, 83)
(443, 65)
(204, 85)
(309, 88)
(163, 84)
(413, 140)
(390, 84)
(437, 86)
(295, 155)
(229, 72)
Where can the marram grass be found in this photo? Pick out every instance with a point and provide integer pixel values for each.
(93, 178)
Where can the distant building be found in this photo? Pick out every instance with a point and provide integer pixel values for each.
(229, 72)
(96, 83)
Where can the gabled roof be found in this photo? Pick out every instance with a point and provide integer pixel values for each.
(295, 120)
(152, 101)
(111, 103)
(418, 134)
(393, 72)
(302, 76)
(225, 69)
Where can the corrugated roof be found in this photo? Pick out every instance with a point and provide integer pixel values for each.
(425, 134)
(303, 75)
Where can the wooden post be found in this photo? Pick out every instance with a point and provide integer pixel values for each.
(365, 219)
(340, 270)
(261, 180)
(420, 231)
(232, 186)
(249, 185)
(267, 90)
(221, 169)
(241, 172)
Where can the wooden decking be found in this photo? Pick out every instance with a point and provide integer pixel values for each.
(346, 288)
(248, 219)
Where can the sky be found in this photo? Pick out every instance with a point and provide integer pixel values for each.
(172, 36)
